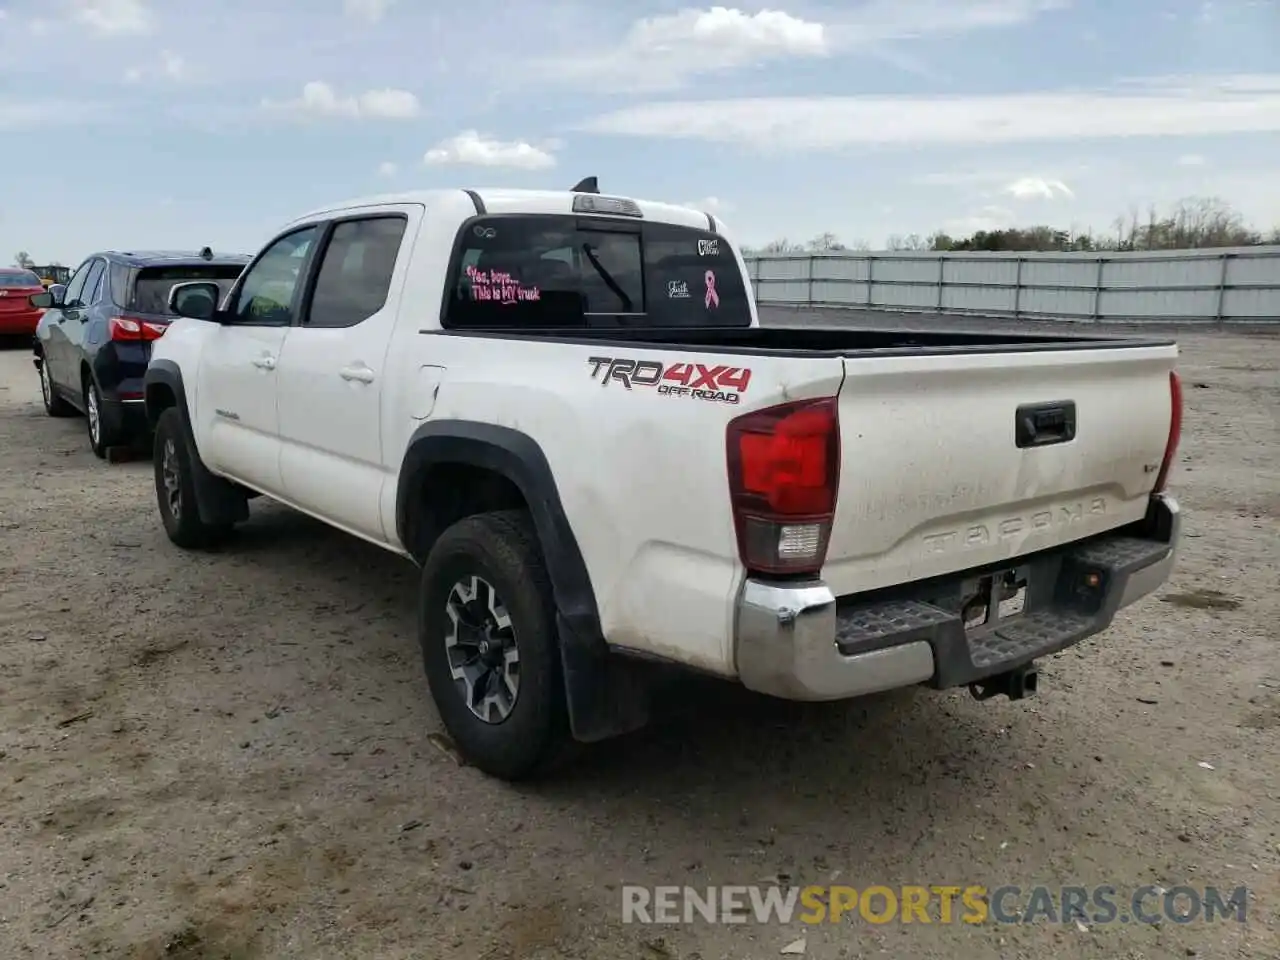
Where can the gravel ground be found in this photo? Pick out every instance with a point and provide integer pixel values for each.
(231, 756)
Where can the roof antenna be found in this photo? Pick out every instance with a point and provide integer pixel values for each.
(206, 253)
(587, 185)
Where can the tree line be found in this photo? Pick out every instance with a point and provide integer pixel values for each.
(23, 259)
(1196, 222)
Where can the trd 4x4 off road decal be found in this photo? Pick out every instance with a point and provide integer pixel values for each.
(718, 383)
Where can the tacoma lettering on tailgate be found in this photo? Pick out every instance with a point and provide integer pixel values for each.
(981, 534)
(699, 381)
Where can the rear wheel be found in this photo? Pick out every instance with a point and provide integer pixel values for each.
(175, 487)
(486, 623)
(104, 432)
(54, 405)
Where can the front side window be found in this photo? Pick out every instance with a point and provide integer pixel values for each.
(563, 271)
(355, 272)
(90, 289)
(77, 282)
(268, 294)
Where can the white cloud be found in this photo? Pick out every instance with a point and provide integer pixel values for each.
(171, 66)
(1191, 160)
(320, 100)
(1030, 188)
(113, 18)
(709, 205)
(663, 52)
(387, 169)
(22, 114)
(370, 10)
(985, 218)
(817, 123)
(470, 148)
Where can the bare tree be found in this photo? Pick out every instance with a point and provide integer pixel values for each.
(824, 242)
(782, 245)
(912, 241)
(23, 259)
(1193, 222)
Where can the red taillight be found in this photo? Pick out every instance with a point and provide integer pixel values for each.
(1175, 432)
(784, 469)
(132, 329)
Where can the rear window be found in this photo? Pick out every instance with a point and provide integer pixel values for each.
(18, 278)
(151, 286)
(562, 271)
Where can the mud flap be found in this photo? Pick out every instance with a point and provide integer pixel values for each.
(604, 698)
(217, 501)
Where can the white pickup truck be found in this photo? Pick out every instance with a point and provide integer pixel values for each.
(562, 407)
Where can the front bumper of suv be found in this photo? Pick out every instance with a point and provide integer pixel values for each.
(801, 642)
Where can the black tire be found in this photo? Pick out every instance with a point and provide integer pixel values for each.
(180, 514)
(103, 431)
(54, 404)
(501, 549)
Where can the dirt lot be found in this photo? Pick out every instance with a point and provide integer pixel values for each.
(228, 756)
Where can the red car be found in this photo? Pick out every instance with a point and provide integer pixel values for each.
(17, 315)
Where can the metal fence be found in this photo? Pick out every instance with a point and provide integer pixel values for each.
(1218, 286)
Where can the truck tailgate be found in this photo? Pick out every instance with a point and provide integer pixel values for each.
(933, 480)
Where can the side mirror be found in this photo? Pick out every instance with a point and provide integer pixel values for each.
(195, 299)
(41, 301)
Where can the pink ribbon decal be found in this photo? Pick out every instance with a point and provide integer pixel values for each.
(712, 298)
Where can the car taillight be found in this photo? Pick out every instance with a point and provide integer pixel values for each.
(1175, 432)
(784, 469)
(132, 329)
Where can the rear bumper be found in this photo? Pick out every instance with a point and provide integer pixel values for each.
(798, 642)
(129, 416)
(24, 322)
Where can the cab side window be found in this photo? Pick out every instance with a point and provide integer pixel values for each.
(355, 271)
(268, 293)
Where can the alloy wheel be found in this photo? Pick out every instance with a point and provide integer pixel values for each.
(91, 411)
(171, 475)
(484, 659)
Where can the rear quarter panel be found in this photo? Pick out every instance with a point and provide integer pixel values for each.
(642, 475)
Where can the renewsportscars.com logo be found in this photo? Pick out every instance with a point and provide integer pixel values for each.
(699, 381)
(974, 904)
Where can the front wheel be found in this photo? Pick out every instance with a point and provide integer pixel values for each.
(54, 405)
(486, 623)
(175, 487)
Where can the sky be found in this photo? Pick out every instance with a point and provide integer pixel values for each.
(179, 123)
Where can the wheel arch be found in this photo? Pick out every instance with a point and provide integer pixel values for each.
(520, 462)
(601, 700)
(217, 500)
(162, 388)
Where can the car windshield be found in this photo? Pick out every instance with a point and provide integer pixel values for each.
(152, 285)
(18, 278)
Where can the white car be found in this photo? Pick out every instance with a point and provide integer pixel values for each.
(562, 406)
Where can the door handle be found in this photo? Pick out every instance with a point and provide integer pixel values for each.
(363, 374)
(1043, 424)
(266, 363)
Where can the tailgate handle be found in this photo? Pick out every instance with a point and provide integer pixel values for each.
(1042, 424)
